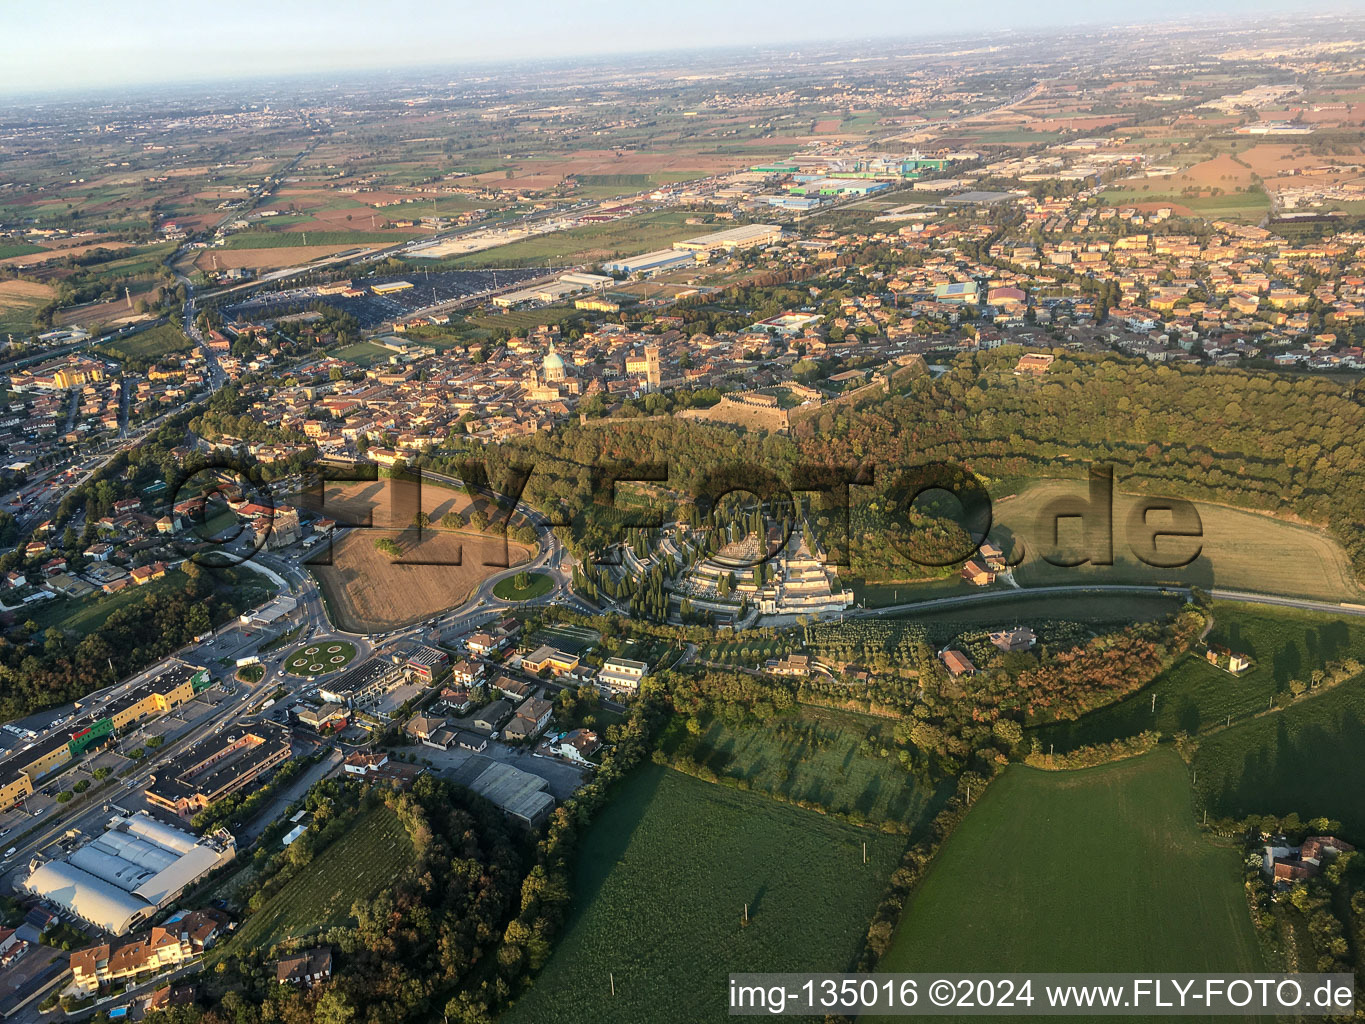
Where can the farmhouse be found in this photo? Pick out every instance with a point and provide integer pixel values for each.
(1034, 364)
(1228, 660)
(1020, 638)
(1287, 864)
(976, 573)
(307, 968)
(957, 663)
(791, 665)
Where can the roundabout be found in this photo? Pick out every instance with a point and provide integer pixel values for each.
(523, 586)
(319, 658)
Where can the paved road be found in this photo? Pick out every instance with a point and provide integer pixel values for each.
(1243, 596)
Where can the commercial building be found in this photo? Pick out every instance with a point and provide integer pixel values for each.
(20, 769)
(177, 684)
(363, 685)
(25, 766)
(126, 875)
(837, 187)
(271, 613)
(426, 663)
(218, 766)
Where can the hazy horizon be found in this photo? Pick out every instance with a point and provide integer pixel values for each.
(93, 47)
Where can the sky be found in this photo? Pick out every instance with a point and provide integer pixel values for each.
(78, 44)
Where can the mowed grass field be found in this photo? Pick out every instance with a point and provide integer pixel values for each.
(1240, 550)
(1308, 758)
(827, 757)
(368, 590)
(359, 865)
(1094, 870)
(150, 344)
(1194, 696)
(660, 885)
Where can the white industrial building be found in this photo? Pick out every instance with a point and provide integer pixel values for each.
(126, 875)
(746, 236)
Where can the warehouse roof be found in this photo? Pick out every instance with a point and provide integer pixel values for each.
(97, 901)
(519, 793)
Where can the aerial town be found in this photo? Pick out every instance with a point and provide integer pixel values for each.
(535, 542)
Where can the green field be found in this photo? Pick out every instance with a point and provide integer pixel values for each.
(830, 758)
(8, 249)
(625, 237)
(1193, 696)
(362, 353)
(358, 866)
(1080, 871)
(148, 345)
(1233, 205)
(661, 882)
(506, 590)
(1306, 759)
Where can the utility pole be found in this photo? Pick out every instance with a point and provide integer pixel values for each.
(612, 978)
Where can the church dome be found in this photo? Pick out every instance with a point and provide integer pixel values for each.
(553, 365)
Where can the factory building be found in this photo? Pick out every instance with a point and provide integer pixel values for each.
(837, 186)
(126, 875)
(651, 262)
(746, 236)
